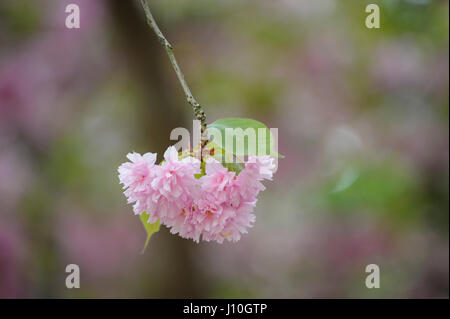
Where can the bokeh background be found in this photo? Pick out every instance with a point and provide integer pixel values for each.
(363, 122)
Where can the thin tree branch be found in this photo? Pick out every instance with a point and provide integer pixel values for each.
(198, 110)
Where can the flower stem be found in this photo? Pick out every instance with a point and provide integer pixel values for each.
(198, 110)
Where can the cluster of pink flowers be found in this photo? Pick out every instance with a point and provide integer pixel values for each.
(213, 206)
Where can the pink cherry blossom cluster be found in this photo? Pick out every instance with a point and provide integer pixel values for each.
(215, 205)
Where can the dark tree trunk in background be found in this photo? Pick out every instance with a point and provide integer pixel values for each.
(162, 112)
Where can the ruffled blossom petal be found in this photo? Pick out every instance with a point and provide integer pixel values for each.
(218, 206)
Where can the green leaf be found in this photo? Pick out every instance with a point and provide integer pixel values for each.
(244, 146)
(149, 228)
(224, 158)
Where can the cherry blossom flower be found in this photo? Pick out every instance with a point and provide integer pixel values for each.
(214, 205)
